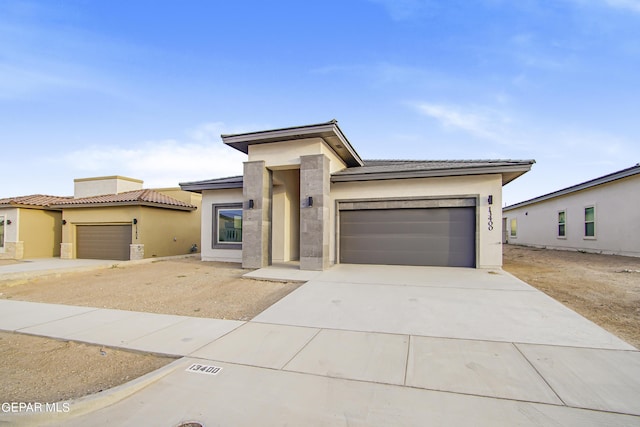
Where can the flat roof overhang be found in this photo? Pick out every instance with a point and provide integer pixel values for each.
(509, 173)
(213, 184)
(606, 179)
(329, 132)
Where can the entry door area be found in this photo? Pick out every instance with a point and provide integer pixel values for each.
(103, 242)
(410, 236)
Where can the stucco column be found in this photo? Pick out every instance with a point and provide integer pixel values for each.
(256, 220)
(314, 217)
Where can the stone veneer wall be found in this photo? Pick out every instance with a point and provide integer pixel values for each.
(66, 250)
(314, 220)
(13, 250)
(256, 221)
(136, 251)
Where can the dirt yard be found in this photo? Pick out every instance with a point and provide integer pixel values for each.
(603, 288)
(186, 286)
(36, 369)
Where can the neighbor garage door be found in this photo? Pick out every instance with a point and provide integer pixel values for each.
(431, 236)
(103, 241)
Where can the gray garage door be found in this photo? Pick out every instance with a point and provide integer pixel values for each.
(432, 236)
(103, 241)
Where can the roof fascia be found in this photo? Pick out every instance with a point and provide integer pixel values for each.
(25, 206)
(518, 170)
(119, 204)
(198, 188)
(329, 132)
(635, 170)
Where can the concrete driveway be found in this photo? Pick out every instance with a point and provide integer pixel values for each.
(381, 345)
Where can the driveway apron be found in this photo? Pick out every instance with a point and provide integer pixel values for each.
(389, 345)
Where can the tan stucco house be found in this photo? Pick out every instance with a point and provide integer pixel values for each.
(307, 196)
(110, 217)
(29, 227)
(600, 215)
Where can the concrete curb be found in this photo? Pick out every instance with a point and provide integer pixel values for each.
(91, 403)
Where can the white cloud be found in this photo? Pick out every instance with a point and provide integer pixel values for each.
(531, 138)
(401, 10)
(481, 123)
(162, 163)
(633, 5)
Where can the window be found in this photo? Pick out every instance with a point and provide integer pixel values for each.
(562, 224)
(590, 221)
(227, 226)
(1, 232)
(514, 227)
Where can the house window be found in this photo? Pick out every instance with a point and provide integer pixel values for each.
(514, 227)
(227, 226)
(590, 221)
(562, 224)
(1, 232)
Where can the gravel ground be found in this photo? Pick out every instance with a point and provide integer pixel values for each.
(603, 288)
(185, 286)
(37, 369)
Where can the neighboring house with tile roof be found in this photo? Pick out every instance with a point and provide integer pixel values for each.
(29, 227)
(109, 217)
(307, 196)
(601, 215)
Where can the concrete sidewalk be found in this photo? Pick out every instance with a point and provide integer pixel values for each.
(27, 268)
(150, 332)
(365, 345)
(39, 267)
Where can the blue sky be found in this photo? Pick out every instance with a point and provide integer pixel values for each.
(145, 88)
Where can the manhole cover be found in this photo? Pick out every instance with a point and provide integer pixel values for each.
(190, 424)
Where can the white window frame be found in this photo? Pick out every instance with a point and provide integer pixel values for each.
(558, 223)
(584, 222)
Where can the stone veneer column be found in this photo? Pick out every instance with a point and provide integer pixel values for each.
(314, 220)
(13, 250)
(66, 250)
(256, 221)
(136, 251)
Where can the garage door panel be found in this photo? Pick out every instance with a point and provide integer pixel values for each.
(103, 242)
(404, 258)
(404, 243)
(428, 236)
(434, 228)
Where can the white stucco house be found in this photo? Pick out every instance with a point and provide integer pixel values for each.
(601, 215)
(307, 196)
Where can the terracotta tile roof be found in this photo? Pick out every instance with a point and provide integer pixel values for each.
(145, 197)
(34, 200)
